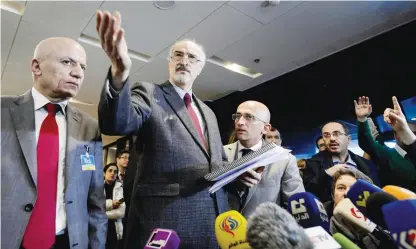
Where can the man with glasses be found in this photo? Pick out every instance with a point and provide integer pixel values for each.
(319, 170)
(122, 161)
(178, 142)
(275, 182)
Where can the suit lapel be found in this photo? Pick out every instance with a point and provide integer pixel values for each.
(23, 116)
(252, 190)
(73, 128)
(178, 106)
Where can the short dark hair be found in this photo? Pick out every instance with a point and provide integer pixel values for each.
(317, 140)
(108, 166)
(274, 129)
(344, 126)
(351, 172)
(123, 152)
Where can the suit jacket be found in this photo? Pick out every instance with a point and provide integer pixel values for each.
(318, 182)
(169, 190)
(279, 181)
(84, 196)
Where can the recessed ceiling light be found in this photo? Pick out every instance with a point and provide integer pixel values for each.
(164, 5)
(14, 7)
(234, 67)
(96, 43)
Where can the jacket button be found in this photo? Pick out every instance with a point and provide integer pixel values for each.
(28, 207)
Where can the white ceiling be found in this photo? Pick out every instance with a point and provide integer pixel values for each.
(284, 37)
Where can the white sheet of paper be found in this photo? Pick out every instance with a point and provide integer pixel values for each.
(265, 159)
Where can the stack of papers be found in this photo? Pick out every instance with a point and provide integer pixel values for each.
(268, 154)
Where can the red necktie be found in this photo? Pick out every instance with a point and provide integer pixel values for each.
(194, 117)
(40, 231)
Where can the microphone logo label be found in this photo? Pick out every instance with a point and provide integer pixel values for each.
(401, 240)
(362, 199)
(298, 207)
(357, 214)
(230, 224)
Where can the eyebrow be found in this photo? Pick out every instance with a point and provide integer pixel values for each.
(74, 61)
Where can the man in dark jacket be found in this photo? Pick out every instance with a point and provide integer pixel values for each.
(317, 175)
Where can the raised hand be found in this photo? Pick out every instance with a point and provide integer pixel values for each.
(363, 108)
(112, 41)
(396, 119)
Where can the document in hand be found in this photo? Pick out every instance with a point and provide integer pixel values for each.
(268, 154)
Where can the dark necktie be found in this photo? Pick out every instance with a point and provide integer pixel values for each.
(40, 231)
(122, 177)
(194, 117)
(245, 189)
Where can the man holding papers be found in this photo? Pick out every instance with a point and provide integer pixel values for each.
(275, 182)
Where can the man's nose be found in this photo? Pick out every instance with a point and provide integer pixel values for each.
(77, 72)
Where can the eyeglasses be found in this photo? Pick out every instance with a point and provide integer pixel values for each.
(178, 56)
(247, 117)
(334, 133)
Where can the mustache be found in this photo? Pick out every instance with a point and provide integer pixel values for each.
(181, 67)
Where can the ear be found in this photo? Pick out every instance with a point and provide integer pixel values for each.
(349, 139)
(36, 70)
(266, 129)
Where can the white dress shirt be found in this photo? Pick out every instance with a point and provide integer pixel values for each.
(40, 114)
(255, 147)
(401, 151)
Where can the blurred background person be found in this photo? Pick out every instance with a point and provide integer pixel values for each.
(115, 206)
(273, 136)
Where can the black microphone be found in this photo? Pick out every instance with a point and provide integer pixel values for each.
(374, 203)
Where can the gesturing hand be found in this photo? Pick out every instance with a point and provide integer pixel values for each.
(363, 108)
(112, 41)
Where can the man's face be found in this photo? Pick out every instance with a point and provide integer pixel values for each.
(342, 186)
(321, 144)
(61, 73)
(185, 64)
(273, 137)
(249, 130)
(123, 160)
(336, 140)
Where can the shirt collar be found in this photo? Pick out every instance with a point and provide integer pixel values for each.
(253, 148)
(180, 91)
(400, 150)
(40, 101)
(348, 161)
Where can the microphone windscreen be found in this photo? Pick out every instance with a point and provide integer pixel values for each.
(399, 193)
(308, 210)
(321, 239)
(344, 241)
(400, 218)
(347, 213)
(230, 230)
(359, 192)
(163, 239)
(272, 227)
(374, 203)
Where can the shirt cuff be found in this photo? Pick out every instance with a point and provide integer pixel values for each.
(110, 90)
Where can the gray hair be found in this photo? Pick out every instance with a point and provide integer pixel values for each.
(204, 57)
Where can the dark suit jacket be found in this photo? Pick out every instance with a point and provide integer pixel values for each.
(318, 182)
(84, 190)
(169, 190)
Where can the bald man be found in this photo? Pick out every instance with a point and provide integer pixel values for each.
(278, 181)
(52, 188)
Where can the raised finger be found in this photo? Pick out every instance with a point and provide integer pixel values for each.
(116, 42)
(109, 36)
(105, 20)
(98, 20)
(396, 104)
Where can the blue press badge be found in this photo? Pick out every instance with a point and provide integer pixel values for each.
(87, 162)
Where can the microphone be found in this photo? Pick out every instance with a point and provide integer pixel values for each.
(321, 239)
(163, 239)
(399, 193)
(308, 210)
(374, 204)
(272, 227)
(344, 241)
(401, 220)
(359, 192)
(230, 230)
(348, 214)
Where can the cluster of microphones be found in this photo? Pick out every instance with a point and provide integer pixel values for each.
(388, 214)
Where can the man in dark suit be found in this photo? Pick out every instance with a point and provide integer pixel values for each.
(179, 138)
(52, 193)
(317, 176)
